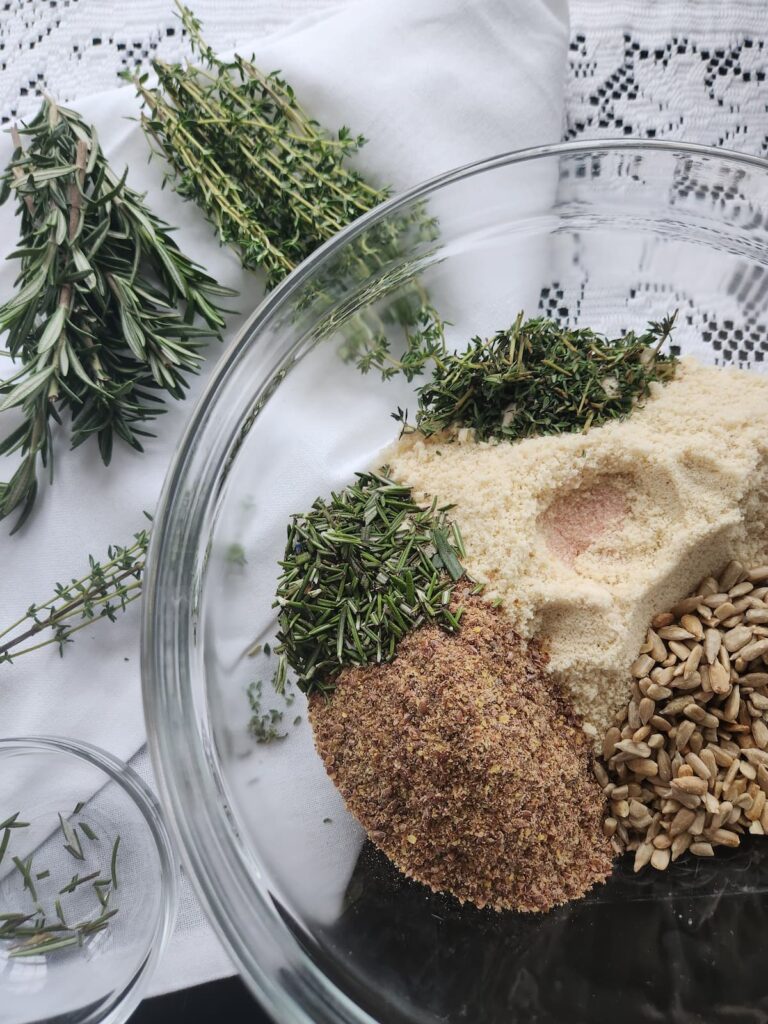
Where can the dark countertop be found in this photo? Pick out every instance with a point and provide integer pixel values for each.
(227, 1000)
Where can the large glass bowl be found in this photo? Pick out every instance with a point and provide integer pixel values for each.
(609, 235)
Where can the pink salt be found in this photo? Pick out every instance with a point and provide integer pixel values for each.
(575, 520)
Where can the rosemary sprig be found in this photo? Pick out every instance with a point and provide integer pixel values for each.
(94, 326)
(276, 184)
(540, 378)
(104, 591)
(359, 572)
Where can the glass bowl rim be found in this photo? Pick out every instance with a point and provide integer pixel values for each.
(139, 793)
(184, 770)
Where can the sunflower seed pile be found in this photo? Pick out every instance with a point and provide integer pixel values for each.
(685, 766)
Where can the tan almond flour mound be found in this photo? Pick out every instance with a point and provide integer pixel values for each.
(585, 537)
(467, 768)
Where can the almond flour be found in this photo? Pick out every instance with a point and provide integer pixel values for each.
(584, 537)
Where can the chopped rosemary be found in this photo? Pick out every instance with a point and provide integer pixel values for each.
(72, 844)
(31, 934)
(76, 881)
(13, 822)
(25, 869)
(46, 945)
(87, 831)
(359, 572)
(113, 863)
(538, 377)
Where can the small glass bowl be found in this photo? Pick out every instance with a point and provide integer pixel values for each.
(103, 977)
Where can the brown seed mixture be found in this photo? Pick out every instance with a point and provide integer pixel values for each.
(466, 768)
(687, 760)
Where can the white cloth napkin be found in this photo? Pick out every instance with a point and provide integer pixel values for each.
(432, 85)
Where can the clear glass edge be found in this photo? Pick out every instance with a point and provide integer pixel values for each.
(167, 699)
(138, 791)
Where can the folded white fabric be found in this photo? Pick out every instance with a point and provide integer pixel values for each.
(432, 85)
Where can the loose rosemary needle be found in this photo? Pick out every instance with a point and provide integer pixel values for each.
(39, 932)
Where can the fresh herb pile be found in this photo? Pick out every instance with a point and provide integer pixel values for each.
(94, 326)
(360, 571)
(276, 185)
(105, 590)
(36, 932)
(539, 377)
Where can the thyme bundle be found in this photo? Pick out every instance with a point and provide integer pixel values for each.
(276, 184)
(538, 377)
(94, 326)
(359, 572)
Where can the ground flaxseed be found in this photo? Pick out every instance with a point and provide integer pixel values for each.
(467, 768)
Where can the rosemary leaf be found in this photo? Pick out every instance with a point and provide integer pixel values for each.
(94, 328)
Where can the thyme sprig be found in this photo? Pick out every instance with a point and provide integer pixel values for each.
(275, 184)
(538, 377)
(105, 590)
(359, 572)
(94, 327)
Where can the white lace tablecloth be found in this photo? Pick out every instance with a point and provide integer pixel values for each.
(690, 69)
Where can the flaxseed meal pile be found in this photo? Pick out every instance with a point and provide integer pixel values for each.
(467, 768)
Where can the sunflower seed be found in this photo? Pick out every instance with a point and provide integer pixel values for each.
(725, 611)
(698, 766)
(760, 732)
(662, 619)
(660, 859)
(724, 837)
(691, 784)
(675, 633)
(731, 575)
(702, 849)
(736, 638)
(754, 650)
